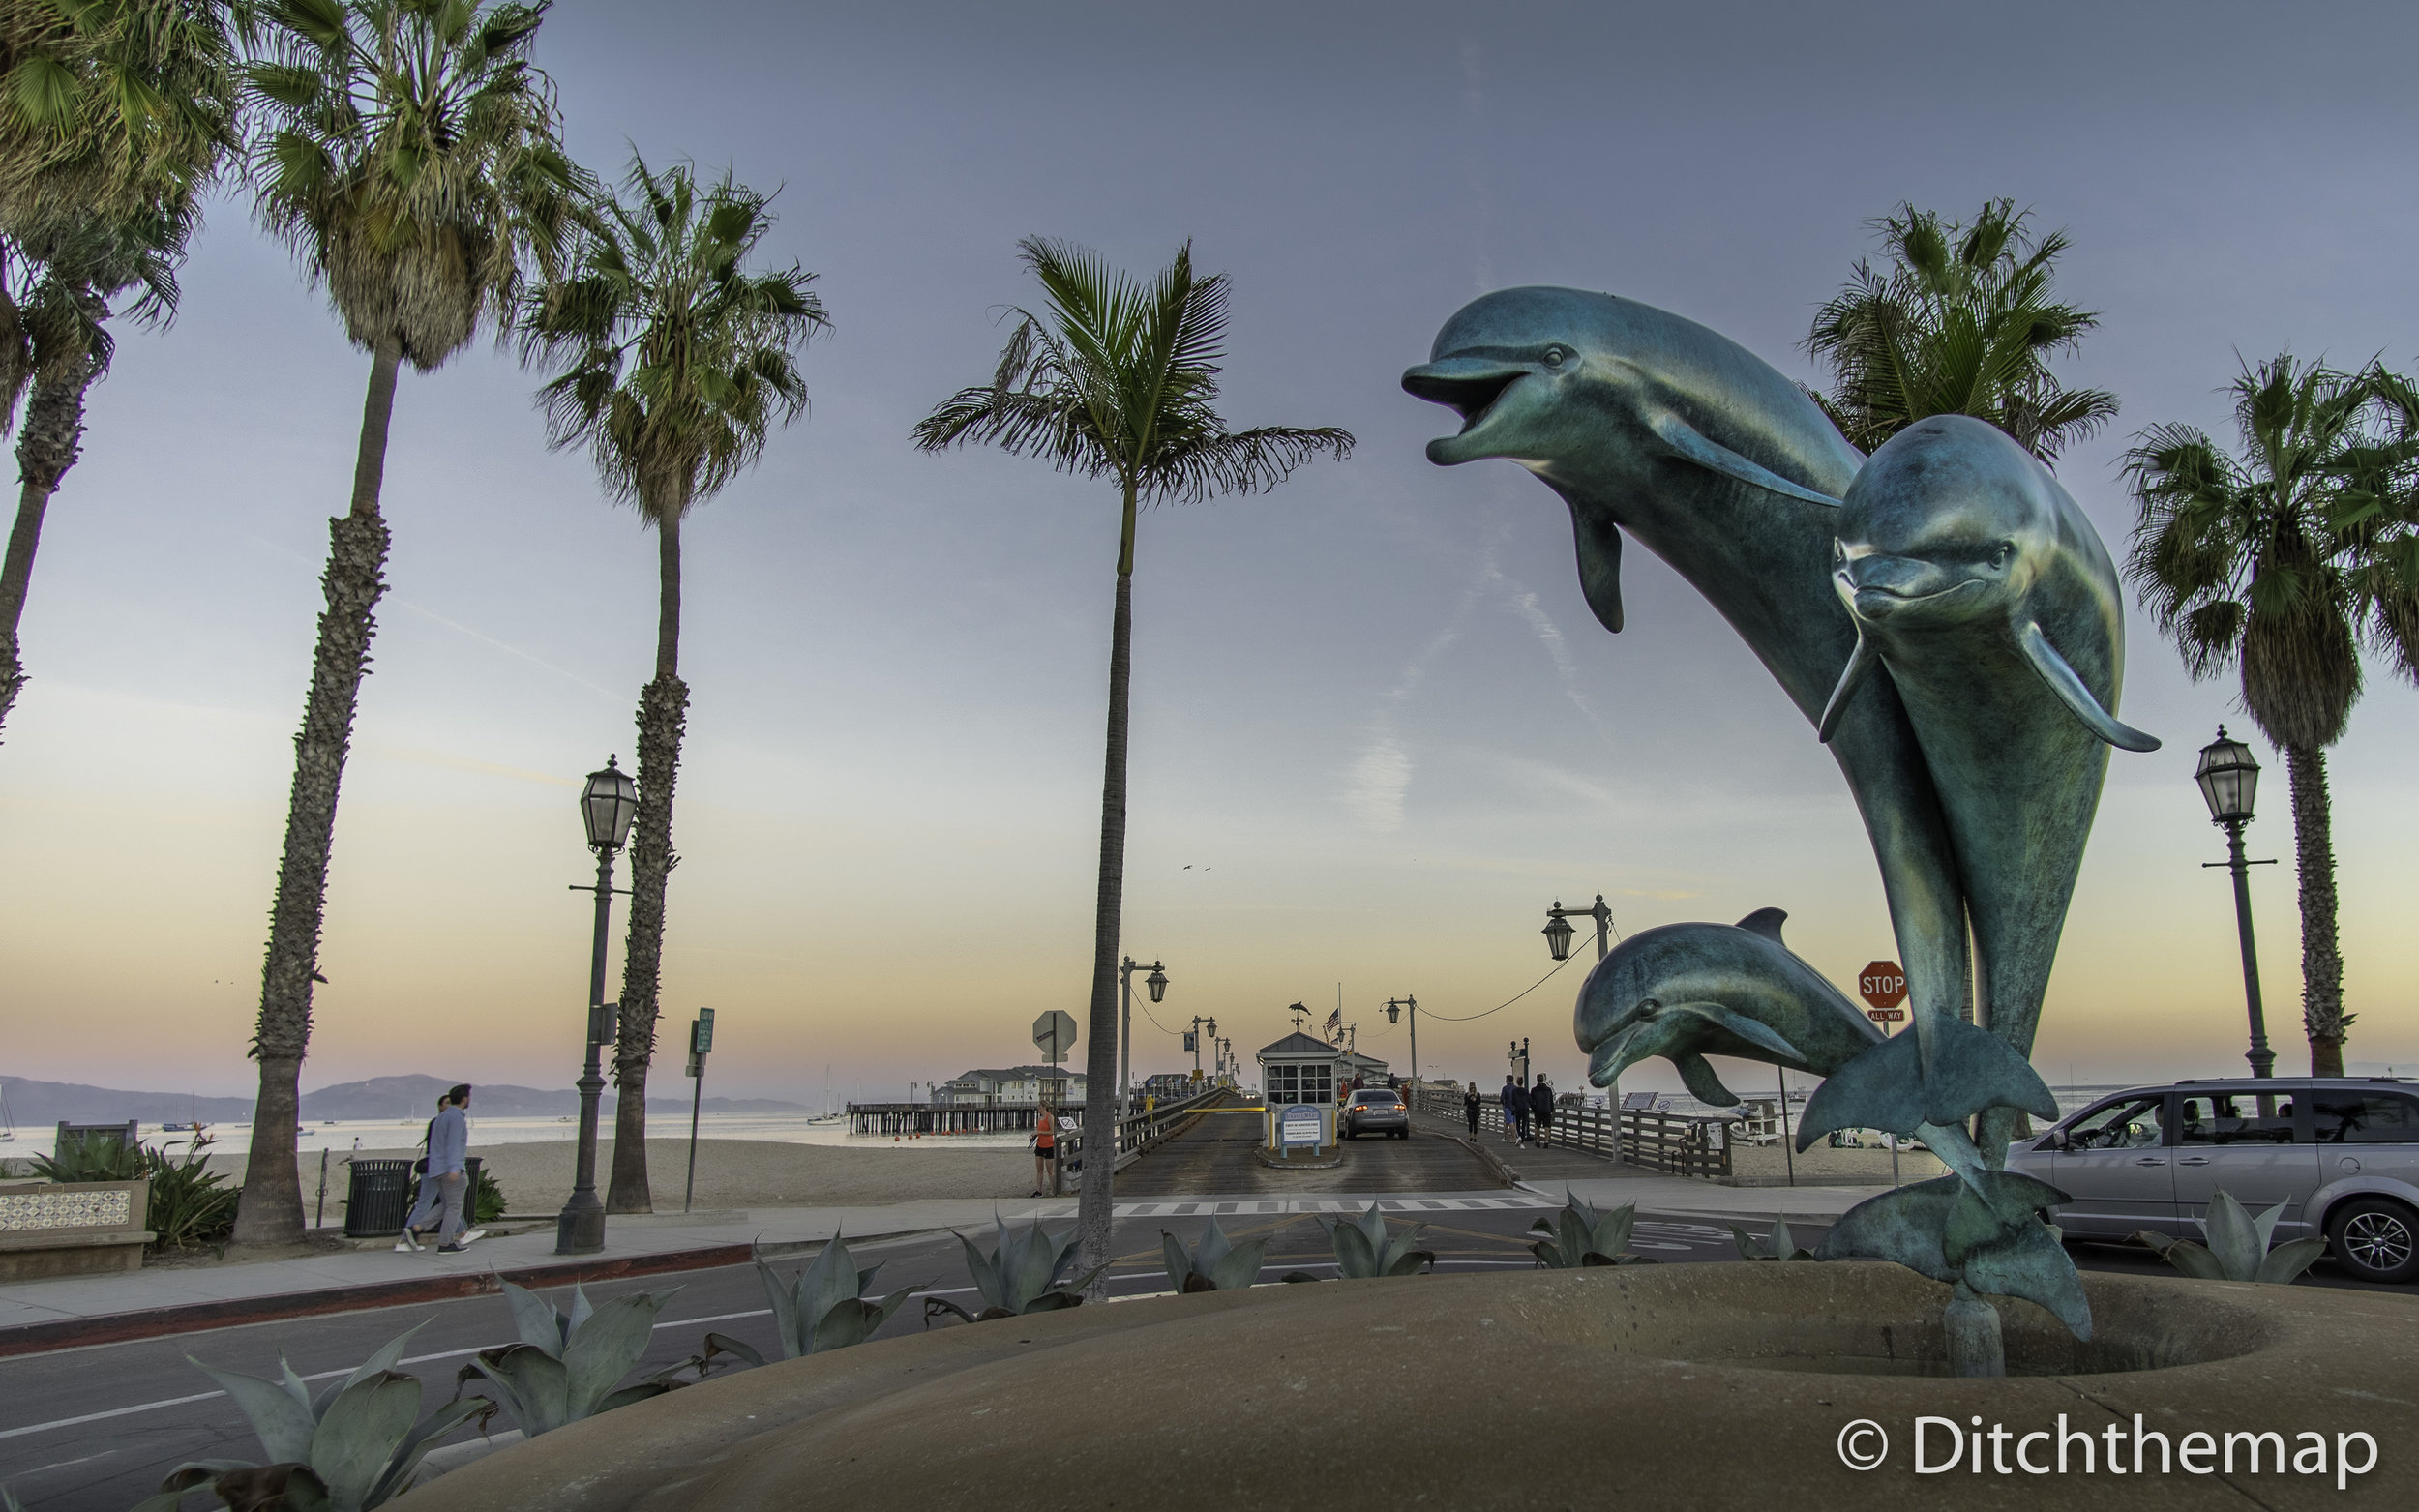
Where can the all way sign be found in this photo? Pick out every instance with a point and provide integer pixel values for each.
(1884, 985)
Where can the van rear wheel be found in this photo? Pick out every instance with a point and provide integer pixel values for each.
(2375, 1238)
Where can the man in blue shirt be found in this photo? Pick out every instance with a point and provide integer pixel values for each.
(449, 1143)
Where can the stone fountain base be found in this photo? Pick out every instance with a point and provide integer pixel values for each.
(1677, 1386)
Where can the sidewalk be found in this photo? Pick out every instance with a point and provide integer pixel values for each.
(81, 1310)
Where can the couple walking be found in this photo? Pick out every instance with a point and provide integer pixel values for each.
(445, 1193)
(1525, 1107)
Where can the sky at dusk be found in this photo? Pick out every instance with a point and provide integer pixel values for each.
(1376, 730)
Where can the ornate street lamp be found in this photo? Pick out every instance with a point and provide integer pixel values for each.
(608, 804)
(2228, 779)
(1157, 983)
(1558, 931)
(1395, 1007)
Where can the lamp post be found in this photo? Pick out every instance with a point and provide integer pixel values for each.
(1395, 1007)
(2228, 777)
(1157, 983)
(606, 805)
(1558, 931)
(1199, 1023)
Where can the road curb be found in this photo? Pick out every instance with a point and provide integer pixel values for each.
(67, 1334)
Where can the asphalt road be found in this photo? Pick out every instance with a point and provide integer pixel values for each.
(93, 1430)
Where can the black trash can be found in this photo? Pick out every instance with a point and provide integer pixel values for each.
(378, 1198)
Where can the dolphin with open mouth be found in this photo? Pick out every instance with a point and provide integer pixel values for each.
(1985, 596)
(1647, 423)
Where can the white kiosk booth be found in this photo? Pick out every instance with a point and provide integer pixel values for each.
(1299, 1086)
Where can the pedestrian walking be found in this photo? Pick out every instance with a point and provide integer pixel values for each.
(423, 1205)
(1515, 1100)
(1470, 1106)
(1045, 1150)
(1541, 1108)
(449, 1145)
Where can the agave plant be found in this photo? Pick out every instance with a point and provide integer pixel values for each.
(1215, 1264)
(1578, 1236)
(823, 1310)
(1365, 1248)
(2238, 1247)
(568, 1366)
(1022, 1274)
(351, 1447)
(1779, 1245)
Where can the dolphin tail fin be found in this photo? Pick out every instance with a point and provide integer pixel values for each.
(2067, 685)
(1989, 1235)
(1891, 1087)
(1860, 666)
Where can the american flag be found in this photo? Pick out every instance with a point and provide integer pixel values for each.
(1336, 1021)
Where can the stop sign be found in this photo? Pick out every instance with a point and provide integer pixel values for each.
(1882, 983)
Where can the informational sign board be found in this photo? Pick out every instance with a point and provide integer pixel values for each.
(1192, 1042)
(1639, 1101)
(701, 1033)
(1883, 984)
(1054, 1033)
(1299, 1126)
(1886, 1015)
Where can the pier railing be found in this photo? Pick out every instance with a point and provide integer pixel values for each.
(1684, 1145)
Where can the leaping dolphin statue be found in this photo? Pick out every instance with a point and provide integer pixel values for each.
(1683, 992)
(1649, 423)
(1986, 599)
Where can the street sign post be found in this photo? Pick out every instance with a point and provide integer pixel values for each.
(1052, 1034)
(1883, 984)
(701, 1045)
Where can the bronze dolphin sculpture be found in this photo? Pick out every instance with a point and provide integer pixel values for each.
(1683, 992)
(1986, 597)
(1652, 424)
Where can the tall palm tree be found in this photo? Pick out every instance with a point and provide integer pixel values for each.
(1119, 380)
(409, 154)
(674, 363)
(1961, 322)
(115, 117)
(2280, 564)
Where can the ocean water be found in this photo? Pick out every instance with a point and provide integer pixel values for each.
(347, 1134)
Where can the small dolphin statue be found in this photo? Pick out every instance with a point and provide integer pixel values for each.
(1980, 590)
(1687, 991)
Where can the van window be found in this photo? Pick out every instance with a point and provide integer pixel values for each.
(2233, 1118)
(2130, 1123)
(2366, 1117)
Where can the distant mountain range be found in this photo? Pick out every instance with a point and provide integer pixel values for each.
(40, 1105)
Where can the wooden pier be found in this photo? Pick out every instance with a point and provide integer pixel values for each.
(897, 1118)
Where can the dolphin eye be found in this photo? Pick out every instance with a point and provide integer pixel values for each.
(1648, 1008)
(1555, 356)
(2002, 554)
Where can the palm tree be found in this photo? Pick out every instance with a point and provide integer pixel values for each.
(673, 361)
(1961, 323)
(409, 156)
(115, 120)
(2280, 564)
(1119, 381)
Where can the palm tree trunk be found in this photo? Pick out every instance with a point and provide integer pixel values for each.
(2322, 1012)
(46, 448)
(1095, 1212)
(663, 714)
(270, 1211)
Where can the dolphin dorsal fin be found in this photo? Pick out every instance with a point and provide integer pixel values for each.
(1860, 664)
(2067, 685)
(1765, 922)
(1681, 438)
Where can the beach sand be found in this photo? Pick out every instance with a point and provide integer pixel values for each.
(536, 1179)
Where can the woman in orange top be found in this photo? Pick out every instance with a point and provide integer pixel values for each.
(1045, 1151)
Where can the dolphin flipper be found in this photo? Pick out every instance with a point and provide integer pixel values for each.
(1678, 435)
(1696, 1073)
(2067, 685)
(1887, 1087)
(1860, 662)
(1600, 566)
(1752, 1030)
(1987, 1237)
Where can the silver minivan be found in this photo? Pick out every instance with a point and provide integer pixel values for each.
(2340, 1154)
